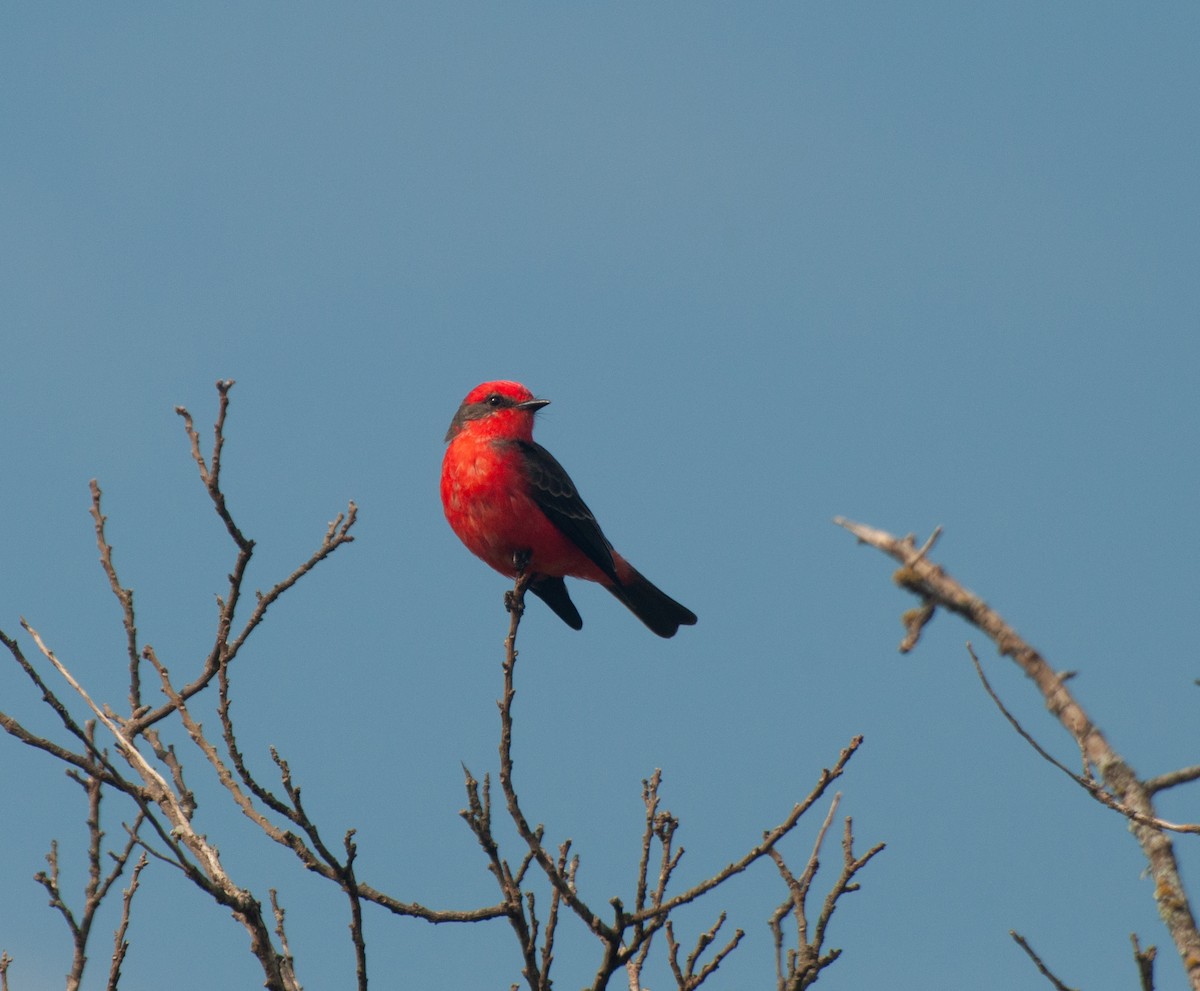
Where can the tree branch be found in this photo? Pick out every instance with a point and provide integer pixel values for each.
(932, 584)
(1037, 962)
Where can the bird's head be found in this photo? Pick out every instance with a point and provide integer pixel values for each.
(505, 408)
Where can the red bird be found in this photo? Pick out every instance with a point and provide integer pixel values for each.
(509, 501)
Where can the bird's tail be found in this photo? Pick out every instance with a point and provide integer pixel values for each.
(649, 603)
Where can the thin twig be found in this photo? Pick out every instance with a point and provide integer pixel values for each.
(124, 597)
(1087, 784)
(687, 978)
(226, 646)
(1042, 968)
(800, 967)
(287, 962)
(350, 887)
(515, 602)
(120, 943)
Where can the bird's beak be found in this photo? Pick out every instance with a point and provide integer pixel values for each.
(533, 405)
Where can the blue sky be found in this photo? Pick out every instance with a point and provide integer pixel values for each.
(772, 265)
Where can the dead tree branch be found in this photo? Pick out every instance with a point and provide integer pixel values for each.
(1145, 963)
(165, 806)
(120, 943)
(625, 940)
(933, 586)
(1037, 962)
(800, 967)
(1087, 783)
(98, 883)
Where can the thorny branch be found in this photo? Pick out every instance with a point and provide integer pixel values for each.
(1122, 789)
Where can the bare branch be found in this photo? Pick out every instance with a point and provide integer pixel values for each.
(211, 875)
(515, 603)
(518, 909)
(687, 978)
(770, 837)
(210, 473)
(86, 761)
(157, 785)
(800, 967)
(97, 885)
(1145, 963)
(224, 648)
(1087, 783)
(286, 963)
(124, 597)
(930, 582)
(1042, 968)
(1183, 776)
(350, 886)
(627, 939)
(120, 943)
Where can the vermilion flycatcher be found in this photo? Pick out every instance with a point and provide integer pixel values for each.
(512, 504)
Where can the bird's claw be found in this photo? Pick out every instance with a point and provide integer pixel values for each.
(514, 598)
(521, 561)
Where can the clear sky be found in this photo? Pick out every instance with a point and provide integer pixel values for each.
(911, 264)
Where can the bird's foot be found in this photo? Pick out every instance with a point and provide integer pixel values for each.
(521, 561)
(514, 598)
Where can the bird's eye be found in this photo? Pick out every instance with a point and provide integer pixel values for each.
(494, 400)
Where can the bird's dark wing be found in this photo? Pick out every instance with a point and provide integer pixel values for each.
(553, 592)
(554, 492)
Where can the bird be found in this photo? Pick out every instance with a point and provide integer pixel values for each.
(515, 507)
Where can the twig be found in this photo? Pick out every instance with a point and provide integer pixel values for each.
(1086, 783)
(1042, 968)
(625, 940)
(91, 760)
(770, 837)
(120, 943)
(157, 786)
(210, 875)
(287, 962)
(801, 967)
(687, 978)
(929, 581)
(97, 886)
(350, 887)
(1145, 963)
(515, 603)
(224, 648)
(1183, 776)
(124, 597)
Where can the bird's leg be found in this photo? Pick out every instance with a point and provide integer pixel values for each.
(514, 598)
